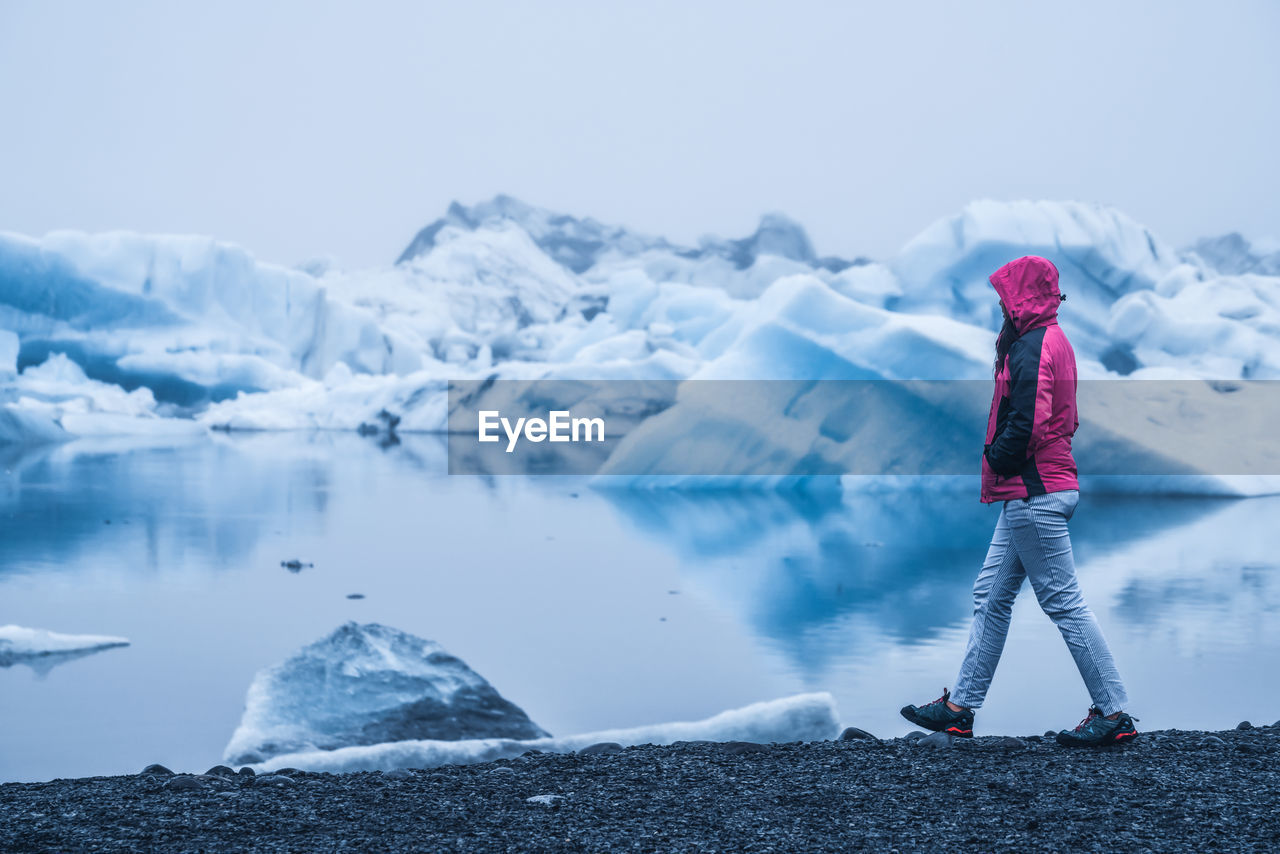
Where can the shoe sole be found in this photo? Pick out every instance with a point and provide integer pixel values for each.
(930, 725)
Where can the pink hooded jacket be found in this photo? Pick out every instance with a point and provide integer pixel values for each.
(1033, 412)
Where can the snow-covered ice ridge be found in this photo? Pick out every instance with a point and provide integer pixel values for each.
(370, 696)
(118, 332)
(802, 717)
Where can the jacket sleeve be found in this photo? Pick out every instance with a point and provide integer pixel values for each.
(1008, 450)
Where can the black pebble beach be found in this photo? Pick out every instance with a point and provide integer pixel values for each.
(1168, 791)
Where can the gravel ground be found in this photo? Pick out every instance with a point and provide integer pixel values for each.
(1169, 791)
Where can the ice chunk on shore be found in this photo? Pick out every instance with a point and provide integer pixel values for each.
(42, 649)
(803, 717)
(365, 684)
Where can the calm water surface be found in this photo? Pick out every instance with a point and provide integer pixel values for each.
(589, 608)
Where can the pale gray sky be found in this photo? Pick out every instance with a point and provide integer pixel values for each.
(339, 129)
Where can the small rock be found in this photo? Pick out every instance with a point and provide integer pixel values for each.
(157, 769)
(1249, 747)
(852, 733)
(1212, 741)
(1050, 734)
(915, 735)
(1244, 725)
(355, 595)
(228, 794)
(937, 740)
(1008, 742)
(273, 780)
(220, 771)
(545, 800)
(246, 771)
(600, 747)
(738, 748)
(288, 772)
(398, 774)
(213, 780)
(502, 769)
(184, 783)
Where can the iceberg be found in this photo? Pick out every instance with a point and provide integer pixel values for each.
(9, 345)
(42, 650)
(1225, 327)
(1233, 255)
(190, 318)
(19, 427)
(1101, 253)
(575, 243)
(367, 684)
(126, 333)
(803, 717)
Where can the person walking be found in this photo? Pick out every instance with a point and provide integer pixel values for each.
(1027, 465)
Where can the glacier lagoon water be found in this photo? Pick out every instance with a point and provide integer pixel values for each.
(589, 608)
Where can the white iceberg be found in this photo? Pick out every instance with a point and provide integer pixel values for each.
(803, 717)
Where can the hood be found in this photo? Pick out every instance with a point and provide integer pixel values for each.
(1028, 287)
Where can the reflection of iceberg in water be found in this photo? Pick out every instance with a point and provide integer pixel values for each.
(214, 496)
(819, 575)
(792, 565)
(1208, 573)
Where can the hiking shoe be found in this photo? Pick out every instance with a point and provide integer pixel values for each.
(939, 718)
(1096, 730)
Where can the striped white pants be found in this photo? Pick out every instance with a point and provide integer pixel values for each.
(1031, 541)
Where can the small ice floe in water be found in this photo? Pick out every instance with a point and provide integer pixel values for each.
(296, 565)
(43, 650)
(367, 684)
